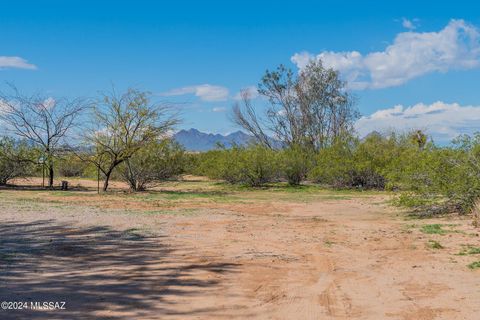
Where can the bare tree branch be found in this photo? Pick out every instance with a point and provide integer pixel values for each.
(310, 109)
(43, 121)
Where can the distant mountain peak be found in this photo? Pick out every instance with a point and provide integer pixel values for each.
(195, 140)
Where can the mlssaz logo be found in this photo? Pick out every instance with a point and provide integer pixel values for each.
(47, 305)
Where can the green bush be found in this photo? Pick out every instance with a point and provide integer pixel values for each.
(429, 178)
(295, 163)
(71, 166)
(377, 162)
(16, 159)
(206, 164)
(156, 162)
(335, 165)
(191, 163)
(253, 165)
(372, 160)
(445, 179)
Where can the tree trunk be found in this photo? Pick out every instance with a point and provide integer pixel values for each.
(105, 183)
(133, 186)
(108, 174)
(50, 176)
(130, 177)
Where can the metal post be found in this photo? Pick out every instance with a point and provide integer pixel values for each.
(43, 174)
(98, 180)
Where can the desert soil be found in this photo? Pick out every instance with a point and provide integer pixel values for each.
(344, 258)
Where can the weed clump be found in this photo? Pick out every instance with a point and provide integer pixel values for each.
(433, 229)
(432, 244)
(468, 250)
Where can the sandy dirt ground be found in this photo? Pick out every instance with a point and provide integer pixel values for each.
(345, 258)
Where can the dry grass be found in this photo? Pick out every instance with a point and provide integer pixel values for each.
(187, 194)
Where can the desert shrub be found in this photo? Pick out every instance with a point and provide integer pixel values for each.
(334, 165)
(16, 159)
(253, 165)
(90, 171)
(156, 162)
(375, 160)
(191, 163)
(71, 166)
(353, 163)
(444, 179)
(463, 188)
(295, 163)
(206, 164)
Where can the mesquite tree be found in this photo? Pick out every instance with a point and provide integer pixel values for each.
(122, 125)
(41, 120)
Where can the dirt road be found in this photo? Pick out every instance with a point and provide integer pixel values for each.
(331, 259)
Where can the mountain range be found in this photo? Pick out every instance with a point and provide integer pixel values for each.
(194, 140)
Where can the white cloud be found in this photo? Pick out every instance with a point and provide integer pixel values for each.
(411, 55)
(251, 90)
(443, 121)
(15, 62)
(205, 92)
(49, 103)
(409, 24)
(219, 109)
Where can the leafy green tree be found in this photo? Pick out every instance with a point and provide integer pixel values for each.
(123, 125)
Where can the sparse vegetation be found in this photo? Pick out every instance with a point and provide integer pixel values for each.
(433, 229)
(432, 244)
(468, 250)
(310, 117)
(343, 182)
(440, 229)
(474, 265)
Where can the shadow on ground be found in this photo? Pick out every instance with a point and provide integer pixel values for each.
(100, 272)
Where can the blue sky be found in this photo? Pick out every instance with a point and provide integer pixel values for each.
(410, 63)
